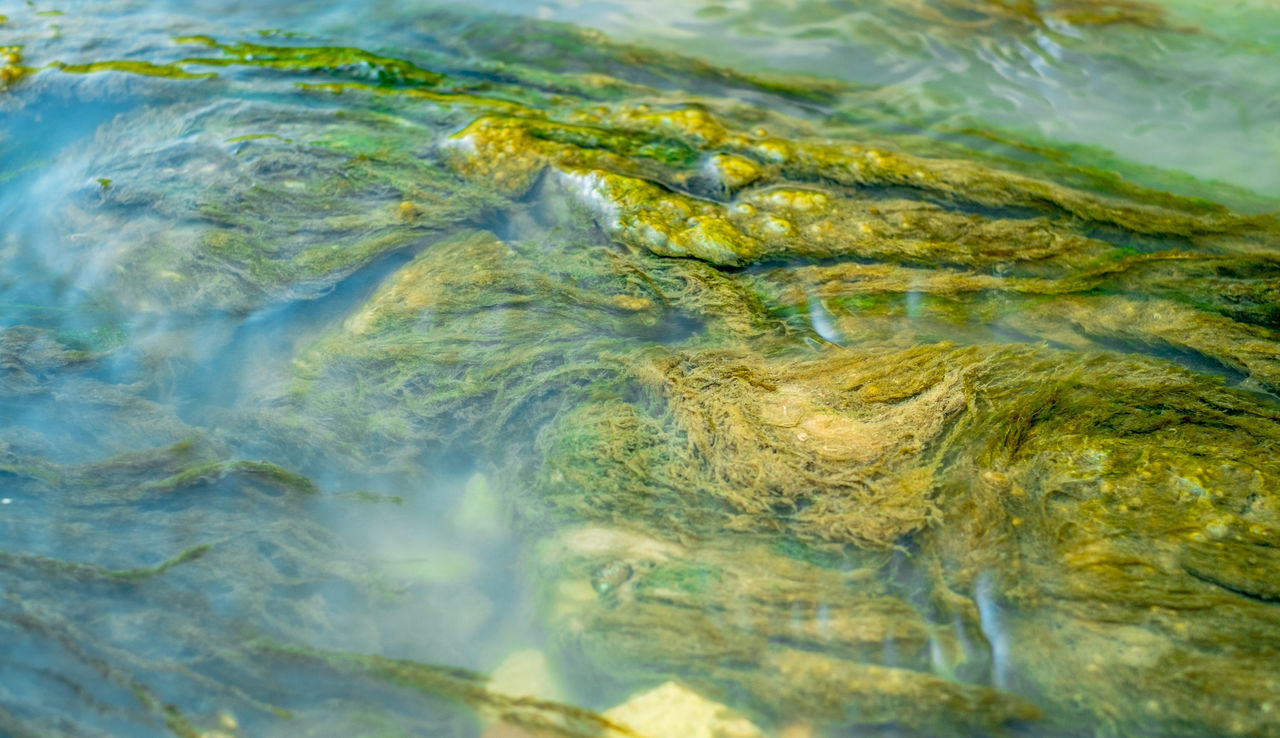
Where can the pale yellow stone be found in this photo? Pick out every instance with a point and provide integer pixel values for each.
(526, 674)
(673, 711)
(798, 730)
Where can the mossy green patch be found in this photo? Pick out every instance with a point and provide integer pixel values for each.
(691, 579)
(147, 69)
(335, 59)
(214, 471)
(133, 575)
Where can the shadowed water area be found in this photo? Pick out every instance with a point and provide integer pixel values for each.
(720, 370)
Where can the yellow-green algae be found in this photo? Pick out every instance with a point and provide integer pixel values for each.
(616, 154)
(838, 625)
(435, 339)
(1046, 477)
(728, 432)
(147, 69)
(946, 18)
(304, 58)
(841, 449)
(771, 397)
(512, 151)
(564, 50)
(985, 16)
(289, 210)
(12, 70)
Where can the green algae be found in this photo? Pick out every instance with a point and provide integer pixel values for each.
(538, 716)
(669, 588)
(1240, 567)
(754, 433)
(372, 497)
(96, 572)
(12, 70)
(664, 146)
(1131, 302)
(335, 60)
(1088, 485)
(217, 470)
(69, 615)
(133, 575)
(146, 69)
(1030, 428)
(957, 16)
(384, 70)
(718, 486)
(1108, 173)
(510, 152)
(725, 440)
(283, 217)
(94, 341)
(846, 451)
(424, 328)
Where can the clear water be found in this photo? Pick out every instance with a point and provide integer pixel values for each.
(206, 528)
(1200, 102)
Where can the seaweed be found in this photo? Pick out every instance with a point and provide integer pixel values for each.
(823, 422)
(97, 572)
(383, 70)
(228, 618)
(280, 218)
(649, 210)
(541, 717)
(838, 624)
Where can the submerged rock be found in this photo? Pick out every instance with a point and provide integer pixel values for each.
(671, 710)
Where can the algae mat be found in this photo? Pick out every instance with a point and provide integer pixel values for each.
(428, 373)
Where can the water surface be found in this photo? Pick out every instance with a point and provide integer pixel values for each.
(381, 369)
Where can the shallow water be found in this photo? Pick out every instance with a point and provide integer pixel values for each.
(906, 368)
(1199, 101)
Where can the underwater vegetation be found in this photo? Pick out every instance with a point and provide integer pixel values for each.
(825, 422)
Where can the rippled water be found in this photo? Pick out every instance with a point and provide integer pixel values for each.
(1200, 99)
(379, 369)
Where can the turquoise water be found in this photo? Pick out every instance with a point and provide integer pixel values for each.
(327, 410)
